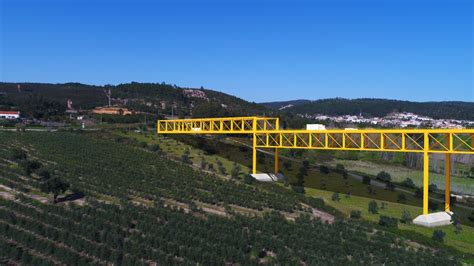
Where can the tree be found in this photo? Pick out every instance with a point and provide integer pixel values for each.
(155, 147)
(432, 205)
(324, 169)
(203, 163)
(406, 217)
(401, 198)
(356, 214)
(390, 186)
(185, 157)
(457, 223)
(29, 166)
(298, 189)
(433, 188)
(366, 180)
(438, 235)
(373, 207)
(235, 171)
(248, 179)
(44, 174)
(340, 166)
(287, 165)
(388, 221)
(408, 183)
(384, 176)
(418, 193)
(18, 155)
(345, 174)
(55, 186)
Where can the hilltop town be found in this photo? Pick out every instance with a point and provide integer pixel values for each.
(399, 120)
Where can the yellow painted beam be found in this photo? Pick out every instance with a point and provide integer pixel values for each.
(426, 167)
(426, 171)
(447, 172)
(276, 161)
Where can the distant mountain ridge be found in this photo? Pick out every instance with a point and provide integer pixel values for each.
(45, 100)
(285, 104)
(378, 107)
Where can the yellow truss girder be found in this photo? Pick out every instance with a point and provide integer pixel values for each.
(460, 141)
(267, 134)
(226, 125)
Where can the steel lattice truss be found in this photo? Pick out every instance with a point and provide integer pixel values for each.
(424, 140)
(227, 125)
(267, 134)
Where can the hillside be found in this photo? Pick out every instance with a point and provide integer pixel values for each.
(284, 104)
(135, 206)
(43, 100)
(379, 107)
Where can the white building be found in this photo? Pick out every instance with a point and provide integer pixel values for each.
(9, 114)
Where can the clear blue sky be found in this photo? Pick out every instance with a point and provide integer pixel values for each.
(257, 50)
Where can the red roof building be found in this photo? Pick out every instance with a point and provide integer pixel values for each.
(9, 114)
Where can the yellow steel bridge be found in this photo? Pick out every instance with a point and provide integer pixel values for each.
(267, 134)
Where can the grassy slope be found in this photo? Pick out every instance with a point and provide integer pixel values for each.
(176, 149)
(333, 181)
(463, 241)
(399, 173)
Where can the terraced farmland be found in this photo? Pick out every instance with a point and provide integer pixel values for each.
(142, 208)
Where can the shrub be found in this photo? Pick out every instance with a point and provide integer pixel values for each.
(29, 166)
(298, 189)
(203, 163)
(406, 217)
(344, 174)
(388, 221)
(408, 183)
(401, 198)
(373, 207)
(432, 188)
(390, 186)
(432, 205)
(366, 180)
(235, 170)
(384, 176)
(335, 196)
(356, 214)
(155, 147)
(18, 154)
(438, 235)
(306, 164)
(340, 166)
(248, 179)
(324, 169)
(418, 193)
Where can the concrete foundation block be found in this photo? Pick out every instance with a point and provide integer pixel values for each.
(433, 219)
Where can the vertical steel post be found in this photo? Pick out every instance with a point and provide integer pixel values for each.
(426, 170)
(276, 161)
(447, 191)
(254, 148)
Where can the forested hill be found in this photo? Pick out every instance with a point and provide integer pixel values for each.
(382, 107)
(41, 100)
(284, 104)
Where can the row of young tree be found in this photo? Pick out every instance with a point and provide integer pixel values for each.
(131, 234)
(120, 232)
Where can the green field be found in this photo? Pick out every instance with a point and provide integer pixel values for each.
(463, 241)
(400, 173)
(176, 149)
